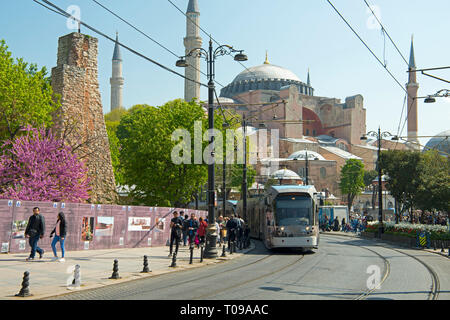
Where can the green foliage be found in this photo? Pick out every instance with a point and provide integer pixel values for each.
(369, 176)
(403, 179)
(352, 179)
(420, 180)
(26, 96)
(146, 148)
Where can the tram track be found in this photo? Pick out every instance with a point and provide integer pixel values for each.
(435, 284)
(242, 283)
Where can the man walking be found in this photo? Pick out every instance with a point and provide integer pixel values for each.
(192, 226)
(35, 231)
(176, 225)
(185, 229)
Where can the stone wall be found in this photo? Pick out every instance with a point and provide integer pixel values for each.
(80, 120)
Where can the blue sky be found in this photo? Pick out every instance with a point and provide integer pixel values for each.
(297, 34)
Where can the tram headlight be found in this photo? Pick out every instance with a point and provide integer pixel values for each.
(281, 229)
(307, 228)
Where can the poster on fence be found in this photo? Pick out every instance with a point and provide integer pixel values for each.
(87, 229)
(104, 227)
(18, 229)
(138, 224)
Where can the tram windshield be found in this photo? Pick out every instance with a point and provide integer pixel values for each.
(293, 210)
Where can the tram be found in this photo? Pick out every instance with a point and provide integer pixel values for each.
(284, 216)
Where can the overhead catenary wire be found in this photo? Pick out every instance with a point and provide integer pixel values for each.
(368, 48)
(67, 15)
(385, 32)
(146, 35)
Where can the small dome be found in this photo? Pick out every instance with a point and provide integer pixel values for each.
(302, 155)
(285, 174)
(440, 142)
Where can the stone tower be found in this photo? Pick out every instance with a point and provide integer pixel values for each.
(192, 40)
(80, 120)
(412, 86)
(116, 80)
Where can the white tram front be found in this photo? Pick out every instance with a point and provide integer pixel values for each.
(286, 216)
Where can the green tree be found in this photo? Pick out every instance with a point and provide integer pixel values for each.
(26, 96)
(433, 192)
(369, 175)
(352, 180)
(146, 153)
(401, 167)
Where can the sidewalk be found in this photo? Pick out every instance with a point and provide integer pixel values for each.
(354, 235)
(48, 278)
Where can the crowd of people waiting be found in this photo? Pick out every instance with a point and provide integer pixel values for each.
(355, 224)
(192, 231)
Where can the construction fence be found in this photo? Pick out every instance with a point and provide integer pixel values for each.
(89, 226)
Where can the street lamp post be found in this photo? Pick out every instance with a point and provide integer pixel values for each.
(379, 135)
(210, 56)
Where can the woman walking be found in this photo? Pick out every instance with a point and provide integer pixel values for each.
(60, 235)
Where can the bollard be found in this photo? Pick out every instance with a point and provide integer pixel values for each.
(201, 253)
(115, 274)
(231, 247)
(240, 244)
(192, 254)
(434, 245)
(146, 269)
(174, 260)
(442, 246)
(76, 277)
(25, 290)
(234, 246)
(223, 252)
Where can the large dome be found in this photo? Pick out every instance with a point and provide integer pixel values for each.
(266, 71)
(265, 77)
(440, 142)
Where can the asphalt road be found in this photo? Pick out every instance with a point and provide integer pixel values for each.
(342, 268)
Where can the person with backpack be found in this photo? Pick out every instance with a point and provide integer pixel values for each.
(34, 231)
(60, 234)
(185, 229)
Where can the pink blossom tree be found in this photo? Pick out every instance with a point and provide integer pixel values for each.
(39, 167)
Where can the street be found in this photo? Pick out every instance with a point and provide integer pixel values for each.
(342, 268)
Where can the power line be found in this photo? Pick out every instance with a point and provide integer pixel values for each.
(370, 50)
(385, 31)
(144, 34)
(67, 15)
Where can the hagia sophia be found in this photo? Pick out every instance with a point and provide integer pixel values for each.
(326, 130)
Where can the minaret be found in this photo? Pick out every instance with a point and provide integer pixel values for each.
(192, 40)
(412, 86)
(116, 80)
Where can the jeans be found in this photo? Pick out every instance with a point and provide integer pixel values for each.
(185, 236)
(61, 242)
(34, 246)
(174, 237)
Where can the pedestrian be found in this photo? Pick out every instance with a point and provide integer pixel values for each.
(343, 224)
(34, 231)
(231, 230)
(60, 232)
(193, 225)
(175, 232)
(202, 230)
(185, 229)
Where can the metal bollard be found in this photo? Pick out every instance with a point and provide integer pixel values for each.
(191, 248)
(201, 253)
(115, 274)
(76, 277)
(240, 244)
(25, 290)
(174, 260)
(434, 245)
(442, 246)
(231, 247)
(234, 246)
(146, 268)
(223, 252)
